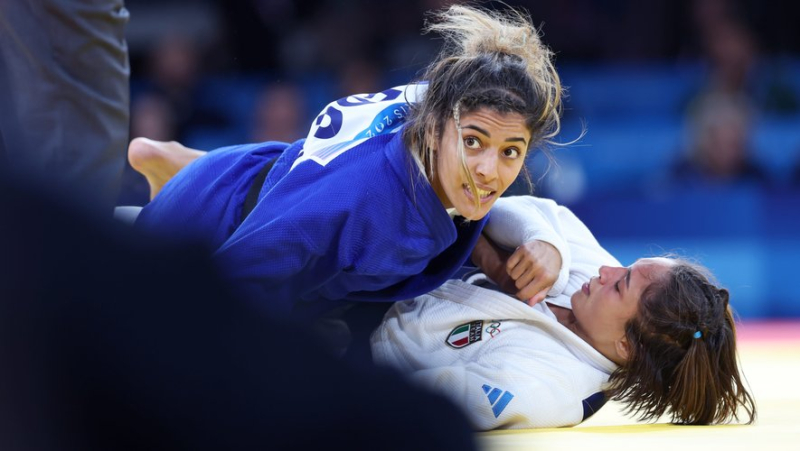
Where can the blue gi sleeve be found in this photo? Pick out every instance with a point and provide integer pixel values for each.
(315, 237)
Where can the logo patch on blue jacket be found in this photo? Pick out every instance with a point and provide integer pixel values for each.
(498, 399)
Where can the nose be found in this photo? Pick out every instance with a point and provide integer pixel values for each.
(486, 165)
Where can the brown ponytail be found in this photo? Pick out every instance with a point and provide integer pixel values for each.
(683, 354)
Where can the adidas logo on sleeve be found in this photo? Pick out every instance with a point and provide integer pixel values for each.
(498, 399)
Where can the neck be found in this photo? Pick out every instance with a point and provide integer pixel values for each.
(567, 318)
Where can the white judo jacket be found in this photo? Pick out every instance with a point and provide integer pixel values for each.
(506, 364)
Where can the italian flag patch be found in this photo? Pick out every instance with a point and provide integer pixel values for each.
(465, 334)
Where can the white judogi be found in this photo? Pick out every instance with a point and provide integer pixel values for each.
(506, 364)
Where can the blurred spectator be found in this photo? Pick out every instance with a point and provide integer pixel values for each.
(175, 74)
(256, 30)
(720, 115)
(280, 114)
(731, 53)
(731, 50)
(719, 149)
(152, 116)
(359, 76)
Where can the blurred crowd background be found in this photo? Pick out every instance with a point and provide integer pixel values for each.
(681, 126)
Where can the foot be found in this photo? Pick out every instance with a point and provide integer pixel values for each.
(159, 161)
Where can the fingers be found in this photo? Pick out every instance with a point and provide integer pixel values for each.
(537, 298)
(529, 275)
(532, 282)
(512, 263)
(533, 289)
(534, 268)
(518, 265)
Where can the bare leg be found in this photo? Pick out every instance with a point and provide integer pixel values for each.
(159, 161)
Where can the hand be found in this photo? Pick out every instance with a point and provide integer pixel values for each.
(534, 267)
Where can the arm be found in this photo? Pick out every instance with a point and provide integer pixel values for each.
(525, 218)
(540, 262)
(492, 260)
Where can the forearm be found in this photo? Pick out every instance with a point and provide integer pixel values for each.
(516, 221)
(491, 259)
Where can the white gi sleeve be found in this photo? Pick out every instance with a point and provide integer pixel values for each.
(517, 220)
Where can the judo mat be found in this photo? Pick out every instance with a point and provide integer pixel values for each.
(770, 359)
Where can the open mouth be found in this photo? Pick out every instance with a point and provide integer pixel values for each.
(483, 195)
(585, 289)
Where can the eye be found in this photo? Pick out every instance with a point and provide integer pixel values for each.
(472, 142)
(511, 152)
(616, 286)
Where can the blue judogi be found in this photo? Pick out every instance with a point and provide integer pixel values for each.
(344, 215)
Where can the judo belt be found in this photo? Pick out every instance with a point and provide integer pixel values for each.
(252, 195)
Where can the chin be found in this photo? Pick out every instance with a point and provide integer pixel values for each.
(474, 215)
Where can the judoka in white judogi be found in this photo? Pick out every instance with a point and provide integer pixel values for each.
(508, 365)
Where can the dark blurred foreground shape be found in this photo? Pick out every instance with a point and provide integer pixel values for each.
(110, 340)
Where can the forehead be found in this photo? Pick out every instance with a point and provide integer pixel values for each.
(494, 121)
(646, 270)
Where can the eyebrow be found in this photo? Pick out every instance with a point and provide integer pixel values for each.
(486, 132)
(628, 279)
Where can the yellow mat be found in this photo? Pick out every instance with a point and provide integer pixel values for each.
(770, 357)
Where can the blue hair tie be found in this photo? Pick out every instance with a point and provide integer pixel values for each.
(698, 334)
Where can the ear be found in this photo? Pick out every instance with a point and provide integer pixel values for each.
(623, 348)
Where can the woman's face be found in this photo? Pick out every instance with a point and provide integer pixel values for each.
(606, 303)
(495, 145)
